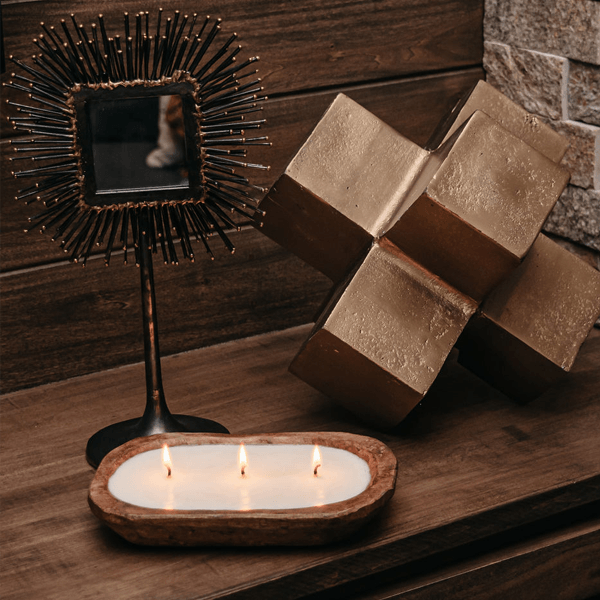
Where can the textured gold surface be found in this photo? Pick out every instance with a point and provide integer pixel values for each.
(511, 116)
(530, 328)
(360, 165)
(551, 302)
(452, 248)
(384, 336)
(491, 186)
(344, 187)
(498, 183)
(313, 230)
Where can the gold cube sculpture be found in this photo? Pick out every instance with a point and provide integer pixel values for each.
(526, 334)
(504, 111)
(384, 336)
(482, 209)
(417, 238)
(342, 189)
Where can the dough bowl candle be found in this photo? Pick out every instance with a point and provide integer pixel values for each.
(280, 489)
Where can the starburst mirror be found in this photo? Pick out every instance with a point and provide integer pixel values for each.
(137, 141)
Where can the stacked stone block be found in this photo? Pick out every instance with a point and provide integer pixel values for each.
(545, 56)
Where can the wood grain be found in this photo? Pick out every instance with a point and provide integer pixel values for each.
(65, 320)
(535, 568)
(472, 465)
(302, 45)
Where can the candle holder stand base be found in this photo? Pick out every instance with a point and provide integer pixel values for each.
(156, 418)
(117, 434)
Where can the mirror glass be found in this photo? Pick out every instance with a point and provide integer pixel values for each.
(138, 144)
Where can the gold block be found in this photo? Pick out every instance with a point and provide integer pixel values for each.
(483, 208)
(511, 116)
(343, 188)
(527, 333)
(383, 337)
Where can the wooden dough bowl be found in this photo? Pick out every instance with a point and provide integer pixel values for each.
(289, 527)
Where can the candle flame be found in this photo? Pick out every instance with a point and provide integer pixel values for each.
(166, 458)
(316, 460)
(243, 460)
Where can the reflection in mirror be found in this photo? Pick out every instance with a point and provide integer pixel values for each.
(138, 144)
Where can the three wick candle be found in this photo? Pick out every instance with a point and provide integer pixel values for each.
(231, 477)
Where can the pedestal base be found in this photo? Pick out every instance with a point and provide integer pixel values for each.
(109, 438)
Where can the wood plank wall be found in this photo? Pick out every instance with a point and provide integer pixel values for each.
(408, 61)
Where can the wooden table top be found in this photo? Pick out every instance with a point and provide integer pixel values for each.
(472, 465)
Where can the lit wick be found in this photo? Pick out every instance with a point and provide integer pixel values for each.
(316, 460)
(243, 460)
(166, 458)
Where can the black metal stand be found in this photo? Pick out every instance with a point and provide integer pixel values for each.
(156, 418)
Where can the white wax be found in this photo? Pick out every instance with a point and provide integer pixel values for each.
(207, 477)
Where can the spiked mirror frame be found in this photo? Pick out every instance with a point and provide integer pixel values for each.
(217, 95)
(179, 58)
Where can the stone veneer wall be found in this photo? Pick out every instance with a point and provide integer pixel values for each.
(545, 55)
